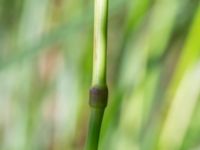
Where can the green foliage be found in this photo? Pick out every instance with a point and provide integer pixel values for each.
(153, 74)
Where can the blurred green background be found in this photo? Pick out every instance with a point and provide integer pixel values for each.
(153, 74)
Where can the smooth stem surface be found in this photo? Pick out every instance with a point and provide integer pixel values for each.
(98, 92)
(100, 43)
(94, 128)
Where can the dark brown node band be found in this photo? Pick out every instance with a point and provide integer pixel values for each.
(98, 97)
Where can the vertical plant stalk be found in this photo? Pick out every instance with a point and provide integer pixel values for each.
(99, 90)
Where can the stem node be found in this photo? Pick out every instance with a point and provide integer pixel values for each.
(98, 97)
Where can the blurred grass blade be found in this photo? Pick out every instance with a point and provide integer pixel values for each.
(177, 95)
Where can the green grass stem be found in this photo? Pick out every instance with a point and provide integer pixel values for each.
(98, 92)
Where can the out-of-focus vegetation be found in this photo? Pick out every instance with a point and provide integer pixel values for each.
(153, 74)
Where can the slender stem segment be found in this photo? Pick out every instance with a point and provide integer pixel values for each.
(98, 91)
(100, 43)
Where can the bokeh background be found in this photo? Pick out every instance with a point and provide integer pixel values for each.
(153, 74)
